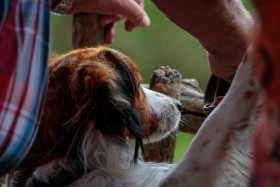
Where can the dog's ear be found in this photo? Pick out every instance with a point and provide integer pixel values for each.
(122, 101)
(114, 90)
(100, 88)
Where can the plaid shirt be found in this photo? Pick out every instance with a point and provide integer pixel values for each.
(24, 50)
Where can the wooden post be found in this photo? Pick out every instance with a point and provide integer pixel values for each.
(86, 31)
(167, 81)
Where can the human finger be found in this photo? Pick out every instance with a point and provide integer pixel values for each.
(109, 33)
(129, 26)
(134, 12)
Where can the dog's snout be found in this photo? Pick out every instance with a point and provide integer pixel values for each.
(177, 104)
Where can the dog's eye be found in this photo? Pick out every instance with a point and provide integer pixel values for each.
(138, 85)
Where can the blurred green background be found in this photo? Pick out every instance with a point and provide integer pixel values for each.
(161, 44)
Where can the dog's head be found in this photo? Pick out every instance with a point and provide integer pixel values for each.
(104, 86)
(98, 88)
(94, 85)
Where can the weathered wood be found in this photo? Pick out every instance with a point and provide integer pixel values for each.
(86, 31)
(166, 81)
(192, 103)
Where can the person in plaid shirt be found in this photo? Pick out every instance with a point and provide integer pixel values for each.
(24, 51)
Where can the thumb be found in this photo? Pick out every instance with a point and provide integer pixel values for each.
(134, 12)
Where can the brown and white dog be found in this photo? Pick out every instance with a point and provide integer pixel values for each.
(97, 116)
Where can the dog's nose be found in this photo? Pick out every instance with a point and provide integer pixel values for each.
(177, 104)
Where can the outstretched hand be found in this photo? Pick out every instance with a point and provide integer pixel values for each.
(112, 11)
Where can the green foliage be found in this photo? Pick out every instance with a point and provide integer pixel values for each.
(182, 143)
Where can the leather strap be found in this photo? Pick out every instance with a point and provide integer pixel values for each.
(215, 90)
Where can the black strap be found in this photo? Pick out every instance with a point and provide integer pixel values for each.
(61, 177)
(210, 90)
(216, 87)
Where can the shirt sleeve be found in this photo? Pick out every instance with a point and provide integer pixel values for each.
(24, 49)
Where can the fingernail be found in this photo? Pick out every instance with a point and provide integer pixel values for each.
(145, 22)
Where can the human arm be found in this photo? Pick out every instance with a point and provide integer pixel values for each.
(222, 27)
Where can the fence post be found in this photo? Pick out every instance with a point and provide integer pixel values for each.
(86, 31)
(167, 81)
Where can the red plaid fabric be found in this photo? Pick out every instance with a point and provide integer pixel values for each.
(24, 45)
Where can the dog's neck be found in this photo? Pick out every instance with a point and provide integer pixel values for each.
(97, 152)
(59, 174)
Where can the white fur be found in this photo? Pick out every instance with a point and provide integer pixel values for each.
(161, 107)
(111, 165)
(222, 144)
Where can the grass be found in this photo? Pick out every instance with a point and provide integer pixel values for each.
(182, 143)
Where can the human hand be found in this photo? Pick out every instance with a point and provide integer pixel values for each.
(111, 11)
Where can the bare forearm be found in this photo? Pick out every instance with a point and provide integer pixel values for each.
(222, 27)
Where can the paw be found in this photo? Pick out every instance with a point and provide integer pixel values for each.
(167, 81)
